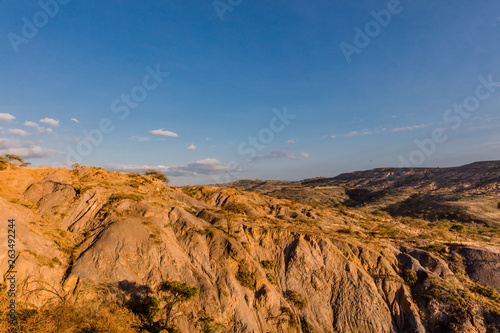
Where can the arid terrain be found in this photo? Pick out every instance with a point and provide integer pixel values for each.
(466, 194)
(386, 250)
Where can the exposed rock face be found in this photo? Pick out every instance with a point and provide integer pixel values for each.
(482, 263)
(262, 264)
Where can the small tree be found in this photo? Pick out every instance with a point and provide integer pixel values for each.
(174, 294)
(157, 175)
(14, 159)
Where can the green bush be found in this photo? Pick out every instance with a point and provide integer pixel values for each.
(489, 292)
(208, 324)
(458, 227)
(247, 279)
(410, 277)
(149, 306)
(437, 248)
(125, 196)
(296, 299)
(268, 264)
(237, 208)
(382, 213)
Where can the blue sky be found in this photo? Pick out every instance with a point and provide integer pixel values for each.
(229, 78)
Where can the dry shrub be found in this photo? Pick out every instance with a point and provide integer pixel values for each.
(91, 316)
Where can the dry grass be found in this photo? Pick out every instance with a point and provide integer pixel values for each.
(93, 316)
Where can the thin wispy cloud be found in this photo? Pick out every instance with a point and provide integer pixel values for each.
(162, 132)
(75, 120)
(409, 128)
(357, 133)
(280, 154)
(6, 117)
(140, 138)
(385, 130)
(291, 141)
(192, 147)
(50, 121)
(38, 128)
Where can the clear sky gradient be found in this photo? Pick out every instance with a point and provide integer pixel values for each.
(225, 90)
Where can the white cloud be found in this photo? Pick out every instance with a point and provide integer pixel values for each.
(208, 139)
(75, 120)
(50, 121)
(209, 166)
(164, 133)
(140, 138)
(192, 147)
(8, 143)
(17, 131)
(31, 124)
(29, 152)
(38, 128)
(292, 141)
(6, 117)
(334, 136)
(280, 154)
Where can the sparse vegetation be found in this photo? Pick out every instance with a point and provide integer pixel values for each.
(297, 299)
(237, 208)
(247, 278)
(268, 264)
(489, 292)
(458, 228)
(125, 196)
(410, 277)
(96, 315)
(208, 324)
(148, 307)
(437, 248)
(174, 294)
(382, 213)
(3, 163)
(12, 161)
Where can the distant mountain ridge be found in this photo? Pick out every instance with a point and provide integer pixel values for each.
(453, 193)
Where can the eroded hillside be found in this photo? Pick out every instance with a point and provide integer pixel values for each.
(261, 264)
